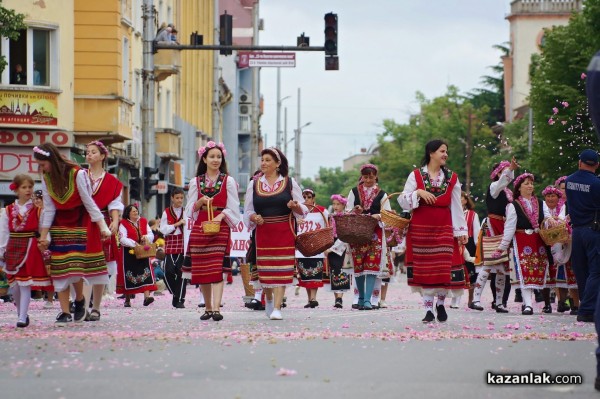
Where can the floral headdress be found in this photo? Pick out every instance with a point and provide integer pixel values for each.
(498, 169)
(522, 177)
(275, 151)
(100, 146)
(560, 180)
(210, 145)
(552, 190)
(41, 152)
(367, 166)
(308, 190)
(13, 186)
(339, 198)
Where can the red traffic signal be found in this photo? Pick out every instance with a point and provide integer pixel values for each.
(331, 34)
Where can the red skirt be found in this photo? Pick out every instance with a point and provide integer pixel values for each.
(275, 252)
(208, 252)
(24, 263)
(310, 272)
(565, 277)
(367, 257)
(532, 260)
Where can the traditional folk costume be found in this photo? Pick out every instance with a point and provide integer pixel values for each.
(274, 240)
(106, 192)
(311, 270)
(176, 284)
(136, 275)
(523, 218)
(433, 258)
(473, 227)
(23, 263)
(369, 259)
(340, 264)
(498, 196)
(210, 253)
(76, 243)
(561, 269)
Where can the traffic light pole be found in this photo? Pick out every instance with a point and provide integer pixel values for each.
(161, 46)
(148, 206)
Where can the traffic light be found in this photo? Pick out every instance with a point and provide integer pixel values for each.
(225, 32)
(135, 188)
(331, 33)
(149, 182)
(303, 41)
(196, 39)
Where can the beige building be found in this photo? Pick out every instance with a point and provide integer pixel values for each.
(528, 19)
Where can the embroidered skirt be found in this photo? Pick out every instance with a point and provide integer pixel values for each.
(340, 279)
(275, 252)
(135, 275)
(209, 253)
(310, 271)
(531, 260)
(367, 257)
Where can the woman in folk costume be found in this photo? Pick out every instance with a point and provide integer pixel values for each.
(77, 228)
(523, 218)
(498, 196)
(311, 270)
(23, 263)
(106, 192)
(340, 278)
(369, 259)
(568, 275)
(434, 261)
(562, 276)
(210, 252)
(269, 201)
(135, 275)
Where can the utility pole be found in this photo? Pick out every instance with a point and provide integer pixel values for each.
(255, 92)
(148, 133)
(285, 140)
(216, 116)
(297, 144)
(278, 128)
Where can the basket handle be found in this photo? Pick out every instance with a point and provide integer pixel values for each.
(209, 207)
(314, 207)
(388, 198)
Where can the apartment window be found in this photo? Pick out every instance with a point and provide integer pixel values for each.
(137, 16)
(125, 66)
(169, 110)
(30, 58)
(126, 11)
(138, 98)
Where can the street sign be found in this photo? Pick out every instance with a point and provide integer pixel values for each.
(162, 187)
(261, 59)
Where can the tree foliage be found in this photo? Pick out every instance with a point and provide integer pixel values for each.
(11, 24)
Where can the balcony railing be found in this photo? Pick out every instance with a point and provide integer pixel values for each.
(545, 6)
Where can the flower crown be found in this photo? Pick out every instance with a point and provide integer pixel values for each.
(41, 152)
(100, 146)
(560, 180)
(275, 151)
(210, 145)
(522, 177)
(503, 165)
(552, 190)
(339, 198)
(369, 165)
(13, 186)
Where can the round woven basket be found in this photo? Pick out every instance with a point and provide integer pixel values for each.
(392, 219)
(209, 226)
(555, 234)
(355, 229)
(314, 242)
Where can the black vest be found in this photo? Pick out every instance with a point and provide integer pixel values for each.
(273, 205)
(375, 206)
(496, 206)
(523, 222)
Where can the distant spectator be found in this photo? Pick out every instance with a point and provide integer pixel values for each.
(18, 77)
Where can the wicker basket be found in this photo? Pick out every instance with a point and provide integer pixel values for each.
(392, 219)
(355, 229)
(145, 251)
(555, 234)
(314, 242)
(209, 226)
(390, 240)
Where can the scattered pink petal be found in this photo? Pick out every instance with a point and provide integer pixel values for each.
(345, 325)
(175, 374)
(286, 372)
(583, 75)
(528, 327)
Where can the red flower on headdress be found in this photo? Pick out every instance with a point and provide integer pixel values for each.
(12, 186)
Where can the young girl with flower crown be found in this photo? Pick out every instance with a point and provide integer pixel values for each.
(523, 218)
(22, 259)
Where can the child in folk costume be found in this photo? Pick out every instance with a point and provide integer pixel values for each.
(23, 263)
(567, 276)
(77, 228)
(564, 278)
(209, 253)
(106, 192)
(523, 218)
(498, 196)
(172, 223)
(38, 202)
(369, 259)
(136, 275)
(433, 259)
(311, 270)
(340, 278)
(269, 201)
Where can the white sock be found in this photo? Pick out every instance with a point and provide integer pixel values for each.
(257, 294)
(526, 294)
(112, 284)
(500, 278)
(456, 301)
(24, 302)
(376, 292)
(428, 302)
(440, 300)
(201, 297)
(16, 293)
(482, 278)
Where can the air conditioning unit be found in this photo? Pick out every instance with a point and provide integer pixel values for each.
(245, 98)
(132, 149)
(245, 109)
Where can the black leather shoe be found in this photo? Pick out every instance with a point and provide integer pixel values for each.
(562, 307)
(586, 318)
(179, 305)
(355, 306)
(313, 303)
(307, 306)
(475, 306)
(24, 324)
(338, 303)
(547, 309)
(574, 311)
(148, 301)
(442, 316)
(207, 315)
(217, 316)
(429, 317)
(501, 309)
(527, 311)
(493, 305)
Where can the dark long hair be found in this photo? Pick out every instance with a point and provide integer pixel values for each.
(128, 209)
(470, 205)
(433, 146)
(277, 155)
(203, 167)
(61, 167)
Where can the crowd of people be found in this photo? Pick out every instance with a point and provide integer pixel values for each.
(76, 236)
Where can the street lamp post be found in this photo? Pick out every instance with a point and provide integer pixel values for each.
(298, 151)
(278, 136)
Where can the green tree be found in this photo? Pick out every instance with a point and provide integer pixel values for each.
(11, 25)
(331, 181)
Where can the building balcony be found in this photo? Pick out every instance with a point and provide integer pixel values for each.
(168, 143)
(545, 6)
(108, 118)
(166, 63)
